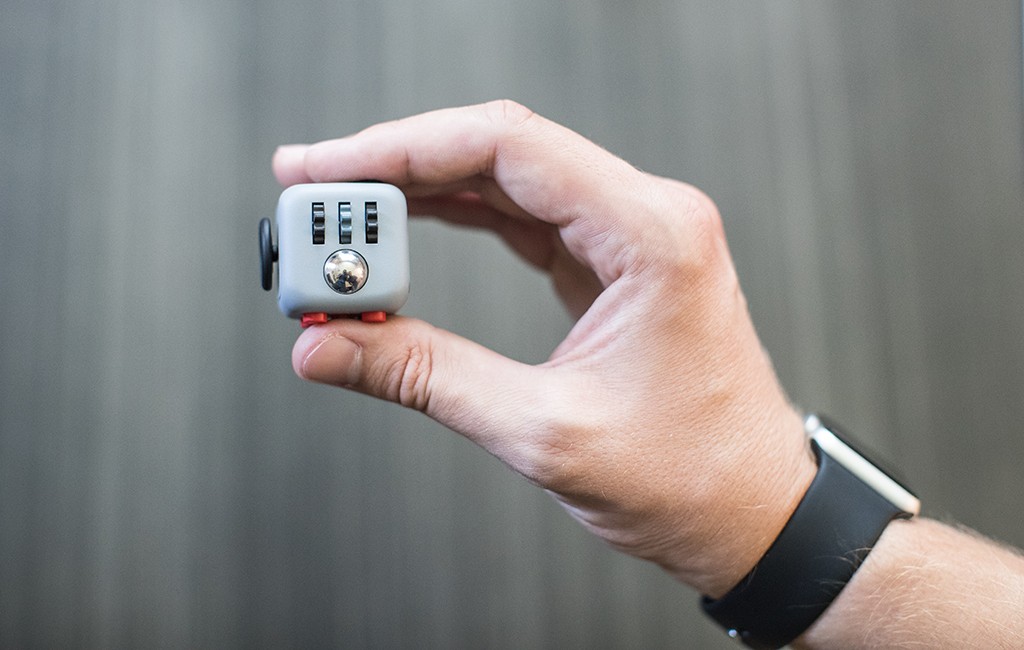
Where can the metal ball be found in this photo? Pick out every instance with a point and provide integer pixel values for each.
(345, 271)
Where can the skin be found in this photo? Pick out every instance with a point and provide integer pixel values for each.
(712, 458)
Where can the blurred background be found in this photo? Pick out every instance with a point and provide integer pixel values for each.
(165, 479)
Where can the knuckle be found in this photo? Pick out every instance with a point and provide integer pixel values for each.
(407, 378)
(508, 112)
(693, 240)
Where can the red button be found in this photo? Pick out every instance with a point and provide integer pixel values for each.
(315, 318)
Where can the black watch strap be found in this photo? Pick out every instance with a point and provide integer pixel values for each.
(821, 546)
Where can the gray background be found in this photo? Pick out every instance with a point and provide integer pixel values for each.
(165, 480)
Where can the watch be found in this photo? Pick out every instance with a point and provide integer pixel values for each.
(847, 506)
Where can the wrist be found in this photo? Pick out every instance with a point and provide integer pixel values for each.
(766, 491)
(844, 512)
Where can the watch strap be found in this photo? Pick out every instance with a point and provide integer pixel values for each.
(826, 539)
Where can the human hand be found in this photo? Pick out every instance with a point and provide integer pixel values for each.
(658, 422)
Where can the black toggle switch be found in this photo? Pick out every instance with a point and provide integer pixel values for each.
(345, 223)
(319, 223)
(371, 222)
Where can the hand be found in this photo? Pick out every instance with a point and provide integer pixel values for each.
(658, 422)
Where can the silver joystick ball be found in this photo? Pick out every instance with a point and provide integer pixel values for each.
(345, 271)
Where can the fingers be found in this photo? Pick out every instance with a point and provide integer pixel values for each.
(462, 385)
(503, 152)
(610, 219)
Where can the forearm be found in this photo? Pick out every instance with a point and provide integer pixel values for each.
(928, 585)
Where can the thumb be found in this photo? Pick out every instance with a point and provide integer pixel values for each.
(461, 384)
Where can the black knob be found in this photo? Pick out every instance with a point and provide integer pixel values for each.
(268, 255)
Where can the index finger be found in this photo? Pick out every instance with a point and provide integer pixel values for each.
(547, 170)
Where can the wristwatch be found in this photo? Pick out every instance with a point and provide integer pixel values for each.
(847, 506)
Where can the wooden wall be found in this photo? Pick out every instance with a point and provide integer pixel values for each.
(165, 480)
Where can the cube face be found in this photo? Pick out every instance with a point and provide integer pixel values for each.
(354, 235)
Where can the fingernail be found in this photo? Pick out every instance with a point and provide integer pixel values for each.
(335, 360)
